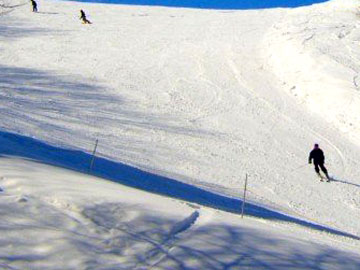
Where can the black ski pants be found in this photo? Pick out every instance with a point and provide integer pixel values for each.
(322, 167)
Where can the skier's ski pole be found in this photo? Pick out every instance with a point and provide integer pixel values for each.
(302, 166)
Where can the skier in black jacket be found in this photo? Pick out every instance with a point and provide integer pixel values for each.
(83, 17)
(319, 159)
(34, 6)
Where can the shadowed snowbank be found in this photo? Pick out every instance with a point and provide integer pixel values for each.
(17, 145)
(117, 234)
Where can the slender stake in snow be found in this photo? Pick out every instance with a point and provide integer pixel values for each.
(244, 198)
(93, 156)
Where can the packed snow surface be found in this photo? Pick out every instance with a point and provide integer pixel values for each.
(179, 99)
(57, 219)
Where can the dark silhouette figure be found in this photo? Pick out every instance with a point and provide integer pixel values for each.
(319, 159)
(34, 6)
(83, 17)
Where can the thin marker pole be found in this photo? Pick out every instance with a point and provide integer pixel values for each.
(93, 156)
(244, 197)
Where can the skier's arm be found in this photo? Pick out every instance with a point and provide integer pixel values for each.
(310, 157)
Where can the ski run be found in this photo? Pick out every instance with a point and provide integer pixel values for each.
(183, 104)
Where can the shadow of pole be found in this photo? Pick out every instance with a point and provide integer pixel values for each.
(12, 144)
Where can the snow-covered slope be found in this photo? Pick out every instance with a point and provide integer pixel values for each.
(57, 219)
(198, 96)
(324, 75)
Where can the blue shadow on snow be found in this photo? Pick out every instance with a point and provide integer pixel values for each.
(17, 145)
(214, 4)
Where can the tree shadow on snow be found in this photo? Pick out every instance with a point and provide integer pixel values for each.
(61, 107)
(143, 240)
(214, 4)
(207, 246)
(44, 101)
(12, 144)
(12, 29)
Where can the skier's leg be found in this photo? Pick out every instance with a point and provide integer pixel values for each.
(317, 170)
(324, 170)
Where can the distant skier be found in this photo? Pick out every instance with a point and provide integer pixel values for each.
(83, 17)
(319, 159)
(34, 6)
